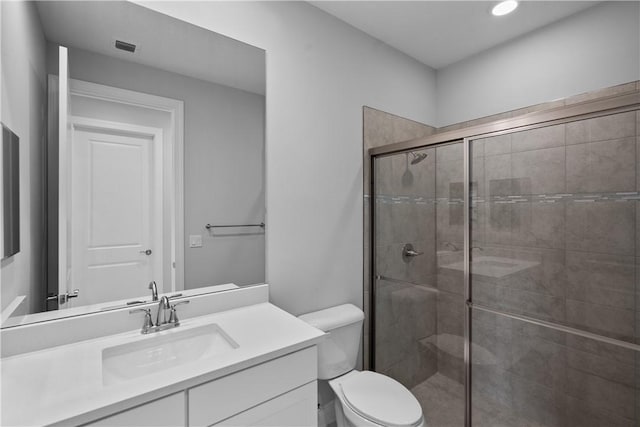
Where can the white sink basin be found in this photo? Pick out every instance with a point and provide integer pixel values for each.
(166, 350)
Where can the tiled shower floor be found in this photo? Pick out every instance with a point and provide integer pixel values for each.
(442, 401)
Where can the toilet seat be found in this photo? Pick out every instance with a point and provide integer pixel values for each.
(380, 399)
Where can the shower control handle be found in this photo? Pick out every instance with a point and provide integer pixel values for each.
(408, 252)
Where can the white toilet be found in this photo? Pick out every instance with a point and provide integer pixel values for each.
(362, 398)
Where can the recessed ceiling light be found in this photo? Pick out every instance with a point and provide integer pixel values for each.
(504, 7)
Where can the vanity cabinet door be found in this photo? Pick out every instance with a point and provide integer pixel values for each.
(168, 411)
(294, 409)
(228, 396)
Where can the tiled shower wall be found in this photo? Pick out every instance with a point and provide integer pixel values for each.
(406, 300)
(420, 304)
(556, 226)
(380, 128)
(558, 222)
(449, 342)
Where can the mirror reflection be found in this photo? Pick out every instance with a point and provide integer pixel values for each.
(152, 160)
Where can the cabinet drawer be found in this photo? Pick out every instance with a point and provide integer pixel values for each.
(220, 399)
(168, 411)
(296, 408)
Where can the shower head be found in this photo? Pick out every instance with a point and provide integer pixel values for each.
(417, 158)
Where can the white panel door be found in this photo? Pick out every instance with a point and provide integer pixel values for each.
(116, 213)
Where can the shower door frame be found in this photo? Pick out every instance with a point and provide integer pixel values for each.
(554, 116)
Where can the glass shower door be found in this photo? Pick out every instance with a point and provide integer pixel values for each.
(554, 275)
(418, 285)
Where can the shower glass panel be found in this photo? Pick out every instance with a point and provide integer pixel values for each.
(418, 284)
(554, 275)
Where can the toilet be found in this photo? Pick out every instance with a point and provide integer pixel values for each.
(363, 398)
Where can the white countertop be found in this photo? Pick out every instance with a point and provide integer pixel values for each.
(64, 385)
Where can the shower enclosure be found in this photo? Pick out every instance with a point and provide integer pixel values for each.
(506, 269)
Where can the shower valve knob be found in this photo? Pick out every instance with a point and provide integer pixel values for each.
(408, 252)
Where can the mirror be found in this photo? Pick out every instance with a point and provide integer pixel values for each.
(154, 154)
(10, 193)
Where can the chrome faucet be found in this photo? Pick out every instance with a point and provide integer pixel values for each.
(163, 307)
(154, 290)
(166, 310)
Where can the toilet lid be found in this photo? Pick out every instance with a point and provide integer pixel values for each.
(381, 399)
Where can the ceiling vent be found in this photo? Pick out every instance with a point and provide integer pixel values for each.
(129, 47)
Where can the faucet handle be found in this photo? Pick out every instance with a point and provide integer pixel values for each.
(154, 290)
(148, 323)
(173, 316)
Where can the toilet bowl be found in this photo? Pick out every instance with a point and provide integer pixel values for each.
(370, 399)
(362, 398)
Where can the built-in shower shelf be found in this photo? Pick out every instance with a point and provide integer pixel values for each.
(453, 346)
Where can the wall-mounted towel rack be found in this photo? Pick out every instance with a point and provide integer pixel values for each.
(209, 226)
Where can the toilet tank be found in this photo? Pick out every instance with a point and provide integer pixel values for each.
(338, 352)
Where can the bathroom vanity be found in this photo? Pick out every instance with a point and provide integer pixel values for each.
(246, 365)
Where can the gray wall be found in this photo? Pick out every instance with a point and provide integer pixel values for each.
(24, 111)
(312, 56)
(320, 72)
(224, 163)
(593, 49)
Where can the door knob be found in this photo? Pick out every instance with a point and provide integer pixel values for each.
(63, 298)
(147, 252)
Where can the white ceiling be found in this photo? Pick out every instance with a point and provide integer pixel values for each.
(436, 33)
(163, 42)
(440, 33)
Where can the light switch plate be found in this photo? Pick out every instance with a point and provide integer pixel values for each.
(195, 241)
